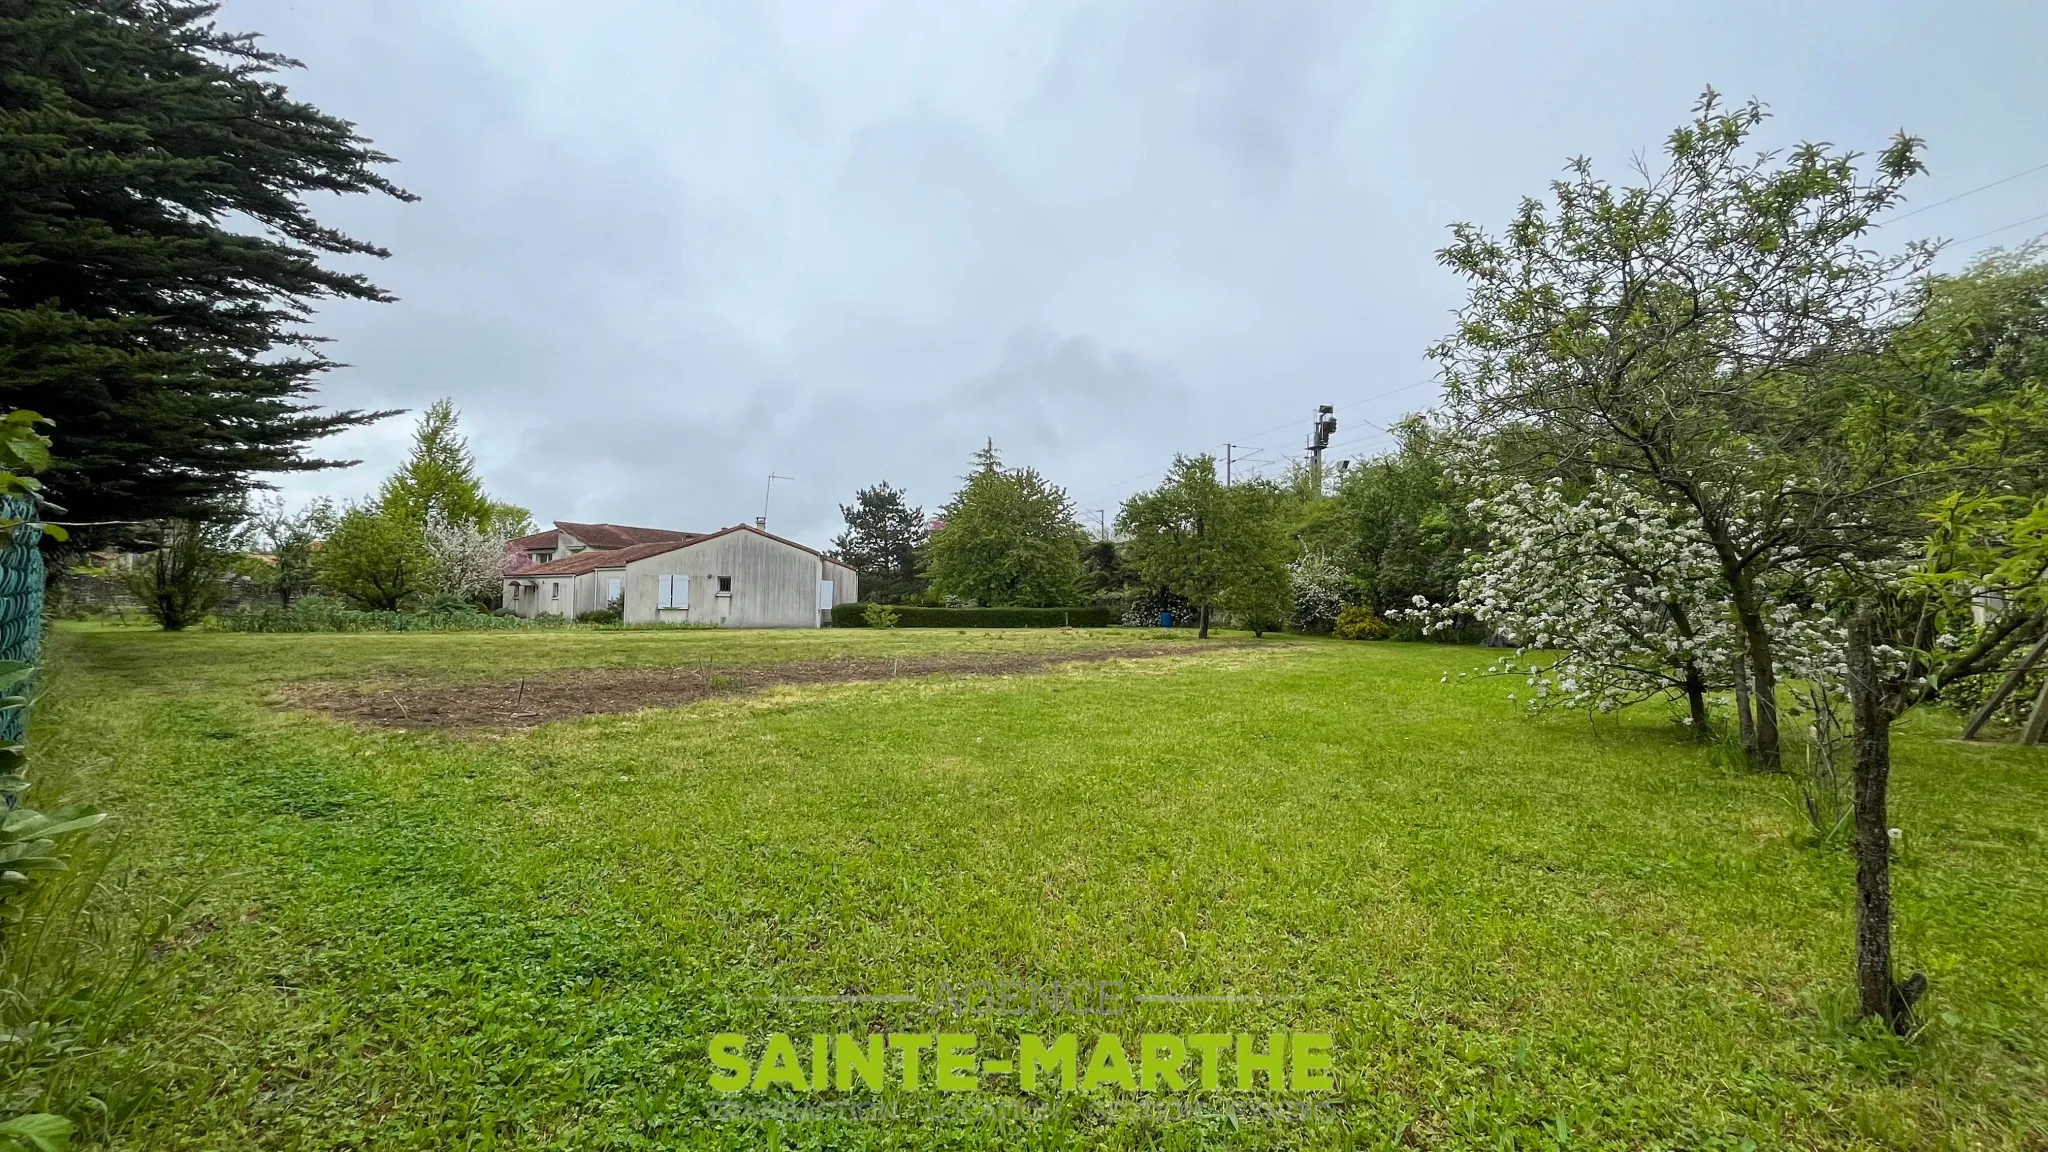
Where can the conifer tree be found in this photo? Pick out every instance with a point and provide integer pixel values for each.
(884, 540)
(158, 261)
(439, 479)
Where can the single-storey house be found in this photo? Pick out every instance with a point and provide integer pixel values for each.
(740, 577)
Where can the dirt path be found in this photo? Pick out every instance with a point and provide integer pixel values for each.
(562, 695)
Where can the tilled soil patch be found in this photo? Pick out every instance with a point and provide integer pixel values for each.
(544, 697)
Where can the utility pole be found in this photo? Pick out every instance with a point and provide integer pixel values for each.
(1230, 459)
(1101, 522)
(761, 521)
(1319, 434)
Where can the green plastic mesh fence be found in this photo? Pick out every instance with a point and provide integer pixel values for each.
(21, 598)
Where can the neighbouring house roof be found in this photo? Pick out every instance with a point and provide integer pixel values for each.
(777, 539)
(596, 559)
(621, 535)
(597, 537)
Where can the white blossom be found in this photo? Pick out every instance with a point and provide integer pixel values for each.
(468, 560)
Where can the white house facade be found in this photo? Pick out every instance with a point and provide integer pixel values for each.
(741, 577)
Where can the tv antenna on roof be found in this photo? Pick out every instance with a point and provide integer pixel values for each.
(761, 521)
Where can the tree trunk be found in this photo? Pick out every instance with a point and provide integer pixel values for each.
(1696, 700)
(2037, 724)
(2012, 681)
(1695, 684)
(1205, 622)
(1870, 768)
(1756, 643)
(1745, 720)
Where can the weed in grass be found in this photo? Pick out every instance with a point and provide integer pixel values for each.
(85, 979)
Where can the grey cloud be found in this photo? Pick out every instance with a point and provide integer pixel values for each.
(665, 248)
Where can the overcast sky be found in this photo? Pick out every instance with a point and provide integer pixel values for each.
(664, 248)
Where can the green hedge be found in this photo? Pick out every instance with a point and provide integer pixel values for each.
(911, 616)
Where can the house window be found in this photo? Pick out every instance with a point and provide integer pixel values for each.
(611, 590)
(725, 583)
(555, 590)
(672, 592)
(540, 557)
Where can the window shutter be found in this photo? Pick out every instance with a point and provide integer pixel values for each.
(666, 592)
(682, 591)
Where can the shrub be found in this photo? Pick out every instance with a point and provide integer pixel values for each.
(185, 575)
(1357, 622)
(1321, 591)
(324, 614)
(600, 616)
(1145, 608)
(910, 616)
(880, 616)
(375, 561)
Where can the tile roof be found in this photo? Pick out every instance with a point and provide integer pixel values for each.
(592, 559)
(621, 535)
(597, 557)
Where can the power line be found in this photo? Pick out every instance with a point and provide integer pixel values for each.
(1248, 441)
(2000, 228)
(1380, 435)
(1971, 192)
(1342, 408)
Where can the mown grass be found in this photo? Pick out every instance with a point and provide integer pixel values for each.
(1524, 933)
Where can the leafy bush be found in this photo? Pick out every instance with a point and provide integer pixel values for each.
(376, 561)
(910, 616)
(880, 616)
(1321, 591)
(600, 616)
(1358, 622)
(185, 575)
(322, 614)
(1144, 609)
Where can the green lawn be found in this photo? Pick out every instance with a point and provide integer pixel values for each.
(1522, 932)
